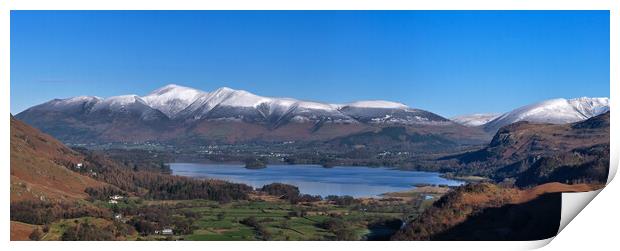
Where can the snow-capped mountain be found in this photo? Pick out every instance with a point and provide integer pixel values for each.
(176, 111)
(226, 103)
(183, 103)
(553, 111)
(475, 119)
(229, 104)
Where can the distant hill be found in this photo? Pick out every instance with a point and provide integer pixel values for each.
(398, 138)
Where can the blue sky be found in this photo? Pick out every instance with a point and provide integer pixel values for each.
(447, 62)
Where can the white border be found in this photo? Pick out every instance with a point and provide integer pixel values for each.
(585, 229)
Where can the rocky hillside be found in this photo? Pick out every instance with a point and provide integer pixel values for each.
(538, 153)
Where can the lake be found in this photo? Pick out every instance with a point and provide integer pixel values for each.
(316, 180)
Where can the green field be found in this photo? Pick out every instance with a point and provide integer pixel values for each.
(271, 219)
(222, 223)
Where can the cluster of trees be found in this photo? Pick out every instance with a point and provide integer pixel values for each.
(339, 228)
(288, 192)
(103, 193)
(182, 188)
(345, 200)
(304, 198)
(149, 219)
(260, 229)
(280, 189)
(85, 231)
(36, 235)
(140, 159)
(43, 212)
(255, 163)
(154, 185)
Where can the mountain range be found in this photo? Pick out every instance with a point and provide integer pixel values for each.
(174, 113)
(179, 114)
(176, 102)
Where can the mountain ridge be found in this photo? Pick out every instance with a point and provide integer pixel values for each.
(176, 113)
(174, 100)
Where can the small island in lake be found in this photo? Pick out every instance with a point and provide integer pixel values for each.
(252, 163)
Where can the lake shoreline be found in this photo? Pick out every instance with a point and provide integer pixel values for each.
(356, 181)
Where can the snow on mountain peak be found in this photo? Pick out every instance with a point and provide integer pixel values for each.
(68, 103)
(225, 89)
(236, 98)
(475, 119)
(118, 101)
(123, 103)
(172, 98)
(77, 100)
(554, 111)
(377, 104)
(180, 102)
(590, 106)
(171, 88)
(315, 105)
(175, 100)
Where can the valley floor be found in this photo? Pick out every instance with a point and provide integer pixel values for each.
(263, 217)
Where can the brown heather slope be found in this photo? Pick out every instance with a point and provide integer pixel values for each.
(486, 211)
(21, 231)
(39, 167)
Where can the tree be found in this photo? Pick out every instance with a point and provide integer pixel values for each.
(285, 224)
(35, 235)
(221, 216)
(345, 234)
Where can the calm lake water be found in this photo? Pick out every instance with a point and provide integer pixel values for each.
(316, 180)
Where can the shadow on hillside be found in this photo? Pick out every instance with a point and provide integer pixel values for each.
(533, 220)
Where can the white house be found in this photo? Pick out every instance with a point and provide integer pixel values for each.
(116, 197)
(79, 165)
(166, 231)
